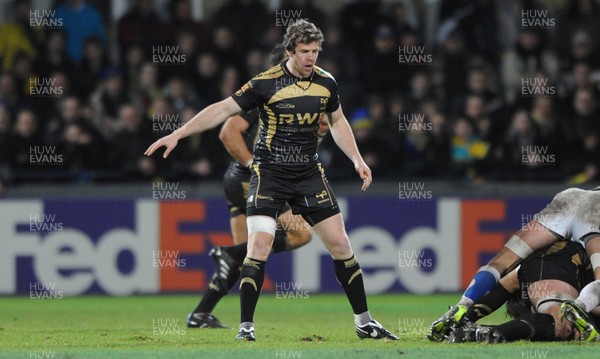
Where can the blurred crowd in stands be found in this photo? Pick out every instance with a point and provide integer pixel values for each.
(496, 95)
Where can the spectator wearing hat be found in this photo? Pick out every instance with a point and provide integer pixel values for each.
(384, 56)
(528, 58)
(107, 100)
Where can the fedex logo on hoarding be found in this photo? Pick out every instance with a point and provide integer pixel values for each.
(123, 247)
(117, 247)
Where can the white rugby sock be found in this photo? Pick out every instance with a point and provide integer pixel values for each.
(589, 298)
(362, 318)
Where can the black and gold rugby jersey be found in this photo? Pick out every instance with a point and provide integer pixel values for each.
(290, 109)
(563, 260)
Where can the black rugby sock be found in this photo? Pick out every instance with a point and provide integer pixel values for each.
(349, 275)
(529, 326)
(212, 296)
(488, 304)
(253, 275)
(209, 301)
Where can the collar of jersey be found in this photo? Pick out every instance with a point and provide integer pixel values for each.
(287, 71)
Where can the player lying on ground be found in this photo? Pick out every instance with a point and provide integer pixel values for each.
(238, 135)
(291, 98)
(573, 213)
(534, 293)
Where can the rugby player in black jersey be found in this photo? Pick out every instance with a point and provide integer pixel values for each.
(573, 214)
(534, 292)
(291, 98)
(238, 135)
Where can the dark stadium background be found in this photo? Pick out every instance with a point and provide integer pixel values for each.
(471, 114)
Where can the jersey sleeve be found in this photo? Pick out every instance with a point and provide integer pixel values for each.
(248, 96)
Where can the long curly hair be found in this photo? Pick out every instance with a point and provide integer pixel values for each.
(301, 31)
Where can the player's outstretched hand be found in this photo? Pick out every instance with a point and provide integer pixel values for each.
(365, 174)
(169, 141)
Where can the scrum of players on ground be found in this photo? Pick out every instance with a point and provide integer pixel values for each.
(548, 273)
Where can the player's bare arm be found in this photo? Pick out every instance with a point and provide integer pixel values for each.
(344, 139)
(233, 140)
(208, 118)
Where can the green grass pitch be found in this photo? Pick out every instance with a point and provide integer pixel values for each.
(319, 326)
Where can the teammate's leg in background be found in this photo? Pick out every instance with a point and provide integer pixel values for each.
(296, 232)
(293, 233)
(226, 275)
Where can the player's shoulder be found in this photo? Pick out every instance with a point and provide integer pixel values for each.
(322, 73)
(272, 73)
(575, 197)
(572, 192)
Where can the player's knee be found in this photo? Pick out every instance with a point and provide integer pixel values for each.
(339, 247)
(259, 245)
(259, 249)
